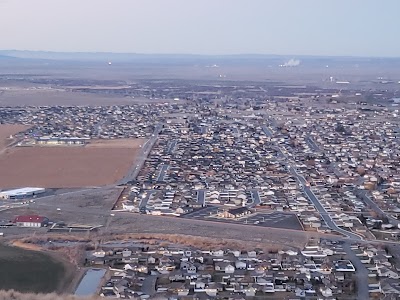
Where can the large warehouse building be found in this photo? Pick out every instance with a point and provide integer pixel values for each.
(21, 193)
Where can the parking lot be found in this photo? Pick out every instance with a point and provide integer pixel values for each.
(273, 219)
(203, 213)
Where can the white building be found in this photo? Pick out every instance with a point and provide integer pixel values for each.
(21, 193)
(31, 221)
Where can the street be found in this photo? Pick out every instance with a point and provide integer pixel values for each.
(376, 208)
(267, 131)
(141, 157)
(162, 173)
(255, 196)
(313, 146)
(317, 204)
(201, 197)
(361, 272)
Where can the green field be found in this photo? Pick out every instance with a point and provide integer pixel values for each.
(29, 271)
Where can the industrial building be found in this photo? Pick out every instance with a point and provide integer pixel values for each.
(21, 193)
(51, 141)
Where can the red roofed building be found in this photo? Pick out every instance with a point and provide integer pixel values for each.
(31, 221)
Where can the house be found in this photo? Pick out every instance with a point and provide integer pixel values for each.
(252, 254)
(229, 269)
(344, 266)
(240, 265)
(31, 221)
(99, 253)
(326, 291)
(235, 213)
(390, 286)
(151, 260)
(188, 267)
(126, 253)
(218, 253)
(374, 288)
(386, 272)
(225, 267)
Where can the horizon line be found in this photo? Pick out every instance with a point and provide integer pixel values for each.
(205, 55)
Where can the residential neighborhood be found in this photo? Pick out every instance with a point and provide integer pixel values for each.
(321, 270)
(312, 172)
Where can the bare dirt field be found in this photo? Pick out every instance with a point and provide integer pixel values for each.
(56, 97)
(67, 167)
(59, 97)
(6, 130)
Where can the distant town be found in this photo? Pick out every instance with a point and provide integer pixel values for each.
(309, 174)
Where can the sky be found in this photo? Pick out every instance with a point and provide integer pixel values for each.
(286, 27)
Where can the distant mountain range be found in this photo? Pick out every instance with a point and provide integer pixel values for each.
(213, 60)
(5, 57)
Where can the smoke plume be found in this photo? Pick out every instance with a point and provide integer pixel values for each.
(291, 63)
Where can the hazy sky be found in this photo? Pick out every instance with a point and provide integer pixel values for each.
(321, 27)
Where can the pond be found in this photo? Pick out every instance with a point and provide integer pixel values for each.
(90, 282)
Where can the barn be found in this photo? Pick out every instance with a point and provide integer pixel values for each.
(31, 221)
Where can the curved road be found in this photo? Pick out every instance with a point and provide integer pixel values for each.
(324, 214)
(317, 204)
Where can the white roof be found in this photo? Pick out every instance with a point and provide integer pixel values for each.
(22, 191)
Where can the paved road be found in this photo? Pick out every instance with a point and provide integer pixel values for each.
(255, 196)
(141, 157)
(201, 197)
(367, 200)
(313, 146)
(149, 285)
(10, 146)
(363, 195)
(267, 131)
(317, 204)
(98, 129)
(171, 146)
(371, 203)
(236, 131)
(162, 173)
(361, 273)
(143, 201)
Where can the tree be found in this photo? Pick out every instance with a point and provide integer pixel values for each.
(363, 219)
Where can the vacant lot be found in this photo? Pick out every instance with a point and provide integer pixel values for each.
(7, 130)
(29, 271)
(98, 164)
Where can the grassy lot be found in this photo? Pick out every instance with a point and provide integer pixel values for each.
(29, 271)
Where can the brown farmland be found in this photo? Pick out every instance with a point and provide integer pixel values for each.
(6, 130)
(68, 166)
